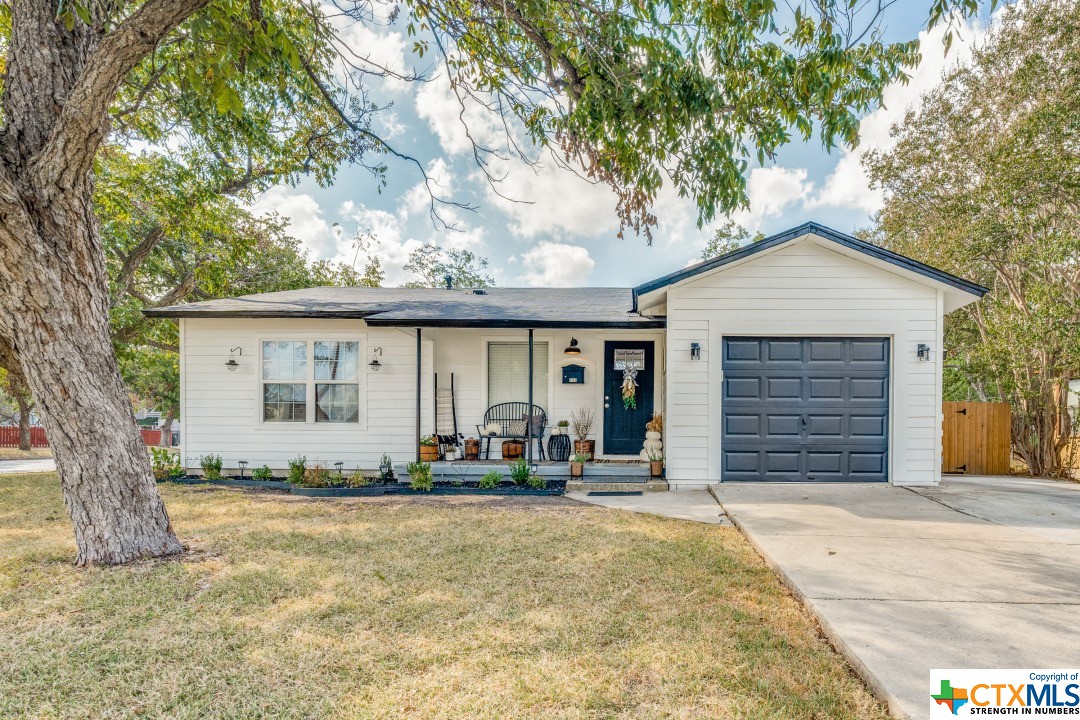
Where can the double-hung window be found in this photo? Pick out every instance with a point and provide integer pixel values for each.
(315, 381)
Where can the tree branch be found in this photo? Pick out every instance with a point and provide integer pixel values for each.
(68, 154)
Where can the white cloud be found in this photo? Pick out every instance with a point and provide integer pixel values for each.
(551, 264)
(848, 185)
(771, 190)
(305, 219)
(437, 104)
(374, 48)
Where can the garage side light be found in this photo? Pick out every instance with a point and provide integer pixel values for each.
(695, 351)
(923, 352)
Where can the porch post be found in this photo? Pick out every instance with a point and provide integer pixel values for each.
(419, 388)
(528, 426)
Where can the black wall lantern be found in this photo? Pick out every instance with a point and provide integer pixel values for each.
(573, 349)
(375, 364)
(695, 351)
(923, 352)
(232, 364)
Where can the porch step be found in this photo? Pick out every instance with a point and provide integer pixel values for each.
(591, 486)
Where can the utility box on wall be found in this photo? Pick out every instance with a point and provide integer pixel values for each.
(573, 374)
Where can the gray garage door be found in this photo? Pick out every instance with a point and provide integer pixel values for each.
(805, 409)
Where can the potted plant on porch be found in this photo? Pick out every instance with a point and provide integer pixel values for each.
(656, 464)
(429, 449)
(577, 464)
(583, 421)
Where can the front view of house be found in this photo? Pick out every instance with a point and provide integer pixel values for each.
(807, 356)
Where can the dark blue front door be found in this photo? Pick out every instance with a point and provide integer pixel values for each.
(624, 430)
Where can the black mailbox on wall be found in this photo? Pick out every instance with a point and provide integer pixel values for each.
(573, 374)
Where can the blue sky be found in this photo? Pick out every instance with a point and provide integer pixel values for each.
(562, 231)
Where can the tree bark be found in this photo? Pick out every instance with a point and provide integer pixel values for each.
(53, 289)
(24, 422)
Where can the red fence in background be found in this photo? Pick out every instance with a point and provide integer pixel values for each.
(9, 436)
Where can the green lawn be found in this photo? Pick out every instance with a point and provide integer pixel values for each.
(407, 607)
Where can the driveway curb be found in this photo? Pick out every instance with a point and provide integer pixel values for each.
(877, 687)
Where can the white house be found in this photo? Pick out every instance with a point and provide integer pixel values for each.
(807, 356)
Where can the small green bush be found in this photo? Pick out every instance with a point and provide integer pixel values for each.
(211, 466)
(491, 480)
(165, 463)
(519, 471)
(357, 480)
(420, 477)
(262, 473)
(297, 466)
(581, 458)
(537, 482)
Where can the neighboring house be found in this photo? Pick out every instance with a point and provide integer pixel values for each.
(809, 355)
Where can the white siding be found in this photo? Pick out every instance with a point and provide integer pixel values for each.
(220, 410)
(803, 288)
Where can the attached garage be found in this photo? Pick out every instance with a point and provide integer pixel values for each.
(805, 409)
(809, 356)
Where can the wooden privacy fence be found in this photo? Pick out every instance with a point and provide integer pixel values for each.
(976, 438)
(9, 436)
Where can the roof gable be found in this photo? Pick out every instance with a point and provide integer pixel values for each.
(813, 228)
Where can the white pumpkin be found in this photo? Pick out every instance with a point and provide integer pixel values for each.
(493, 428)
(653, 444)
(644, 454)
(652, 435)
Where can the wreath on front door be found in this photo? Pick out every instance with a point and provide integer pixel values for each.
(629, 389)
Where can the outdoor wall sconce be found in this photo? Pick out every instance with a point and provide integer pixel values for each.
(232, 364)
(923, 352)
(695, 351)
(573, 349)
(375, 364)
(243, 464)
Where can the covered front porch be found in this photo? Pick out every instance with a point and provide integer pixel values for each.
(563, 373)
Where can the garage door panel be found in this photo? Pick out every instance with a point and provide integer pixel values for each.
(798, 409)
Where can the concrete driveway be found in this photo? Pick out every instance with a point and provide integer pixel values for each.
(976, 573)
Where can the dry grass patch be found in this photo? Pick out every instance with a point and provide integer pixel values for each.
(391, 608)
(7, 453)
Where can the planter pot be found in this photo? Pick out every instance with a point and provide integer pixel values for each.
(577, 469)
(656, 468)
(429, 453)
(451, 455)
(472, 449)
(585, 447)
(512, 449)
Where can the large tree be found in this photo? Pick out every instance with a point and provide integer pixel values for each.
(634, 93)
(984, 181)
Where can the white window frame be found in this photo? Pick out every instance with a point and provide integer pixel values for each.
(309, 424)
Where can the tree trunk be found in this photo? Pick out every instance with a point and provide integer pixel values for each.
(53, 292)
(166, 429)
(24, 422)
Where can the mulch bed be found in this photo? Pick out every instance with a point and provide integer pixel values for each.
(554, 487)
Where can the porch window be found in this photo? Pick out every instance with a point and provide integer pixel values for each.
(508, 372)
(327, 372)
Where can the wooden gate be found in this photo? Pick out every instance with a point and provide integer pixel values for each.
(976, 438)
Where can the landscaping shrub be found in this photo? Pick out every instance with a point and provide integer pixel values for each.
(297, 466)
(316, 476)
(420, 477)
(358, 480)
(491, 480)
(165, 463)
(262, 473)
(211, 466)
(519, 471)
(537, 482)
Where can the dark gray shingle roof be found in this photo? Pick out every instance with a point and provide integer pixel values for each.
(426, 307)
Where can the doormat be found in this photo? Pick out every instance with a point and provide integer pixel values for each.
(600, 461)
(613, 493)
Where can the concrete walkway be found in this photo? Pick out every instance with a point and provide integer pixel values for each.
(976, 573)
(696, 505)
(15, 467)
